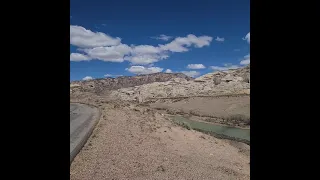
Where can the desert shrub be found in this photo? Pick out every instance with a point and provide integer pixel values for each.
(217, 80)
(246, 78)
(238, 117)
(186, 125)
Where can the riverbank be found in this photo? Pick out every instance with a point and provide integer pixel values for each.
(216, 130)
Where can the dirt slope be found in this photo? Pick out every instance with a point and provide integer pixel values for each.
(137, 143)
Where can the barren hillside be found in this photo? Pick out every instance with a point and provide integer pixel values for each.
(217, 83)
(137, 138)
(101, 86)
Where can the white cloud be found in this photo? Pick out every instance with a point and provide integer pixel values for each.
(163, 37)
(145, 49)
(79, 57)
(144, 70)
(168, 71)
(196, 66)
(100, 46)
(110, 75)
(111, 53)
(246, 60)
(201, 41)
(247, 37)
(146, 54)
(145, 59)
(180, 44)
(82, 37)
(87, 78)
(224, 68)
(191, 73)
(219, 39)
(173, 47)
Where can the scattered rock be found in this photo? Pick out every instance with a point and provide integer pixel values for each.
(161, 168)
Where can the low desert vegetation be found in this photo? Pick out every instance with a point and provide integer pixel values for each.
(239, 118)
(217, 80)
(246, 78)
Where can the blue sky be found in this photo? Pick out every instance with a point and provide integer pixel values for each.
(113, 38)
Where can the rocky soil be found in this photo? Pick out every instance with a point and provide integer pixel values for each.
(133, 142)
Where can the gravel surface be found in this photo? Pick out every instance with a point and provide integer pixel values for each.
(139, 143)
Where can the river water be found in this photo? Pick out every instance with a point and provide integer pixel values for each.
(232, 132)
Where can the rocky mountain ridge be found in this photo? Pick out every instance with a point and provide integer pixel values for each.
(165, 85)
(101, 86)
(212, 84)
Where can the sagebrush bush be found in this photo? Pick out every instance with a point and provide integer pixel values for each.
(217, 80)
(246, 78)
(238, 117)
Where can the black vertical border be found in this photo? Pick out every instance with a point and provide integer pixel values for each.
(35, 90)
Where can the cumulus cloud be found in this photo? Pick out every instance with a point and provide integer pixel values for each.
(191, 73)
(87, 78)
(219, 39)
(163, 37)
(196, 66)
(173, 47)
(246, 60)
(79, 57)
(144, 59)
(145, 54)
(224, 68)
(145, 49)
(81, 37)
(247, 38)
(168, 71)
(110, 75)
(144, 70)
(100, 46)
(180, 44)
(110, 53)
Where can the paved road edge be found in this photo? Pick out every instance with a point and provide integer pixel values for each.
(83, 141)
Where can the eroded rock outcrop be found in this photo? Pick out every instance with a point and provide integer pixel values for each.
(217, 83)
(103, 86)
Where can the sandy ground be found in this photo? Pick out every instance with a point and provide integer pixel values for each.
(232, 111)
(210, 106)
(139, 143)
